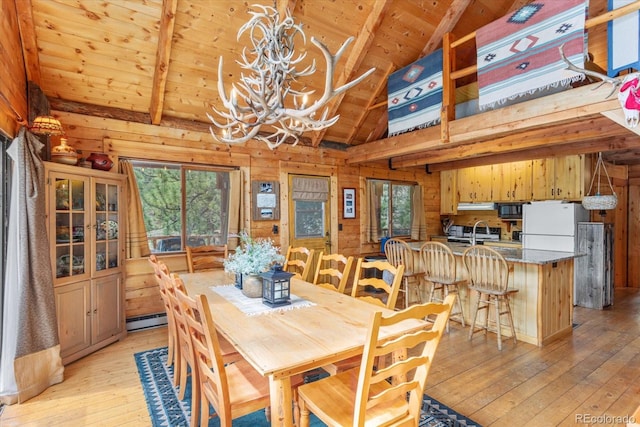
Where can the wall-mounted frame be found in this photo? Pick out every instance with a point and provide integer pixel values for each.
(266, 200)
(349, 200)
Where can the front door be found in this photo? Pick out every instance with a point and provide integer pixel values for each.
(309, 212)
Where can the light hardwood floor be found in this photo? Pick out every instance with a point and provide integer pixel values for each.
(594, 372)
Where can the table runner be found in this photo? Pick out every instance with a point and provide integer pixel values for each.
(254, 306)
(518, 53)
(415, 95)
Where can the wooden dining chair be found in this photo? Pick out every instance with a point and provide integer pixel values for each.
(184, 363)
(172, 339)
(332, 271)
(398, 253)
(388, 280)
(191, 314)
(391, 396)
(299, 262)
(232, 389)
(440, 270)
(206, 257)
(489, 277)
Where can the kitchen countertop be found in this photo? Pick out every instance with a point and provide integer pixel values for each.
(525, 256)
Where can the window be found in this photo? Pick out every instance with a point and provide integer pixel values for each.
(393, 205)
(183, 205)
(309, 219)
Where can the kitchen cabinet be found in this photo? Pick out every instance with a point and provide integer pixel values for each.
(448, 192)
(474, 184)
(512, 182)
(561, 178)
(85, 227)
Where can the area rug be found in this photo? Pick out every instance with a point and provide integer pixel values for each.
(165, 409)
(518, 54)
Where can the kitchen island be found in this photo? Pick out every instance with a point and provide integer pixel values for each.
(543, 306)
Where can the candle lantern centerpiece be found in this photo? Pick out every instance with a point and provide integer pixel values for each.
(276, 287)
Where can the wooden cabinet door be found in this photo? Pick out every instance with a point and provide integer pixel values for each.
(569, 177)
(521, 181)
(543, 179)
(73, 308)
(474, 184)
(107, 313)
(501, 182)
(448, 193)
(466, 185)
(483, 176)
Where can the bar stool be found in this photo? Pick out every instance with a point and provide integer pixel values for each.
(439, 265)
(489, 276)
(398, 252)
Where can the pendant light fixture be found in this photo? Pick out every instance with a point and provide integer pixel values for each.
(46, 125)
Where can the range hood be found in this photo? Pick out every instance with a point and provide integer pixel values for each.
(477, 206)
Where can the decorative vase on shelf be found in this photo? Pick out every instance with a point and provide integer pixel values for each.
(252, 285)
(64, 153)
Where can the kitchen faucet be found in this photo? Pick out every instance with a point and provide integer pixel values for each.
(473, 234)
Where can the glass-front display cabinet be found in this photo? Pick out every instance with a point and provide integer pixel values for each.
(86, 226)
(85, 230)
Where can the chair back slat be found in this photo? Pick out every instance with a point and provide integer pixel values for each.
(487, 268)
(299, 261)
(206, 257)
(439, 262)
(405, 376)
(399, 253)
(389, 281)
(332, 271)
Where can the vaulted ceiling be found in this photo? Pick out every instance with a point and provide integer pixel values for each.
(155, 61)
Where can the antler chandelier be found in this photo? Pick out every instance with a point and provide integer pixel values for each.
(270, 94)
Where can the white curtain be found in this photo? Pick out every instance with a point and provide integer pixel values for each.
(30, 359)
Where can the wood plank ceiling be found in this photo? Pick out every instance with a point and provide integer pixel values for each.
(155, 61)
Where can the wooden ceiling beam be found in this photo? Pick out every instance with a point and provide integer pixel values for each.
(584, 130)
(354, 60)
(447, 24)
(574, 105)
(365, 111)
(163, 55)
(29, 41)
(569, 148)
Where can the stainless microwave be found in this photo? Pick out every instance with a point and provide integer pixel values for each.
(510, 210)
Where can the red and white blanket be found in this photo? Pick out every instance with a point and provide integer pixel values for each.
(518, 54)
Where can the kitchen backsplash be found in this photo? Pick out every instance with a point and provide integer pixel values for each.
(491, 217)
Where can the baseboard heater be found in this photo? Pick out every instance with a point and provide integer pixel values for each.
(146, 322)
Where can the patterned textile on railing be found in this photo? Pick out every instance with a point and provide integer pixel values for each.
(518, 53)
(415, 95)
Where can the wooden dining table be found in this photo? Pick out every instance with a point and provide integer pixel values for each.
(284, 342)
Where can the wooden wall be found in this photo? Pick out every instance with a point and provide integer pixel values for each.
(122, 139)
(13, 84)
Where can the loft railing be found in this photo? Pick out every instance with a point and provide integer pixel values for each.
(450, 75)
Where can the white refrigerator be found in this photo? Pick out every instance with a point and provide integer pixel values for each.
(552, 225)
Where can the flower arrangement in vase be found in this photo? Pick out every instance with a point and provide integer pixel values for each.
(252, 257)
